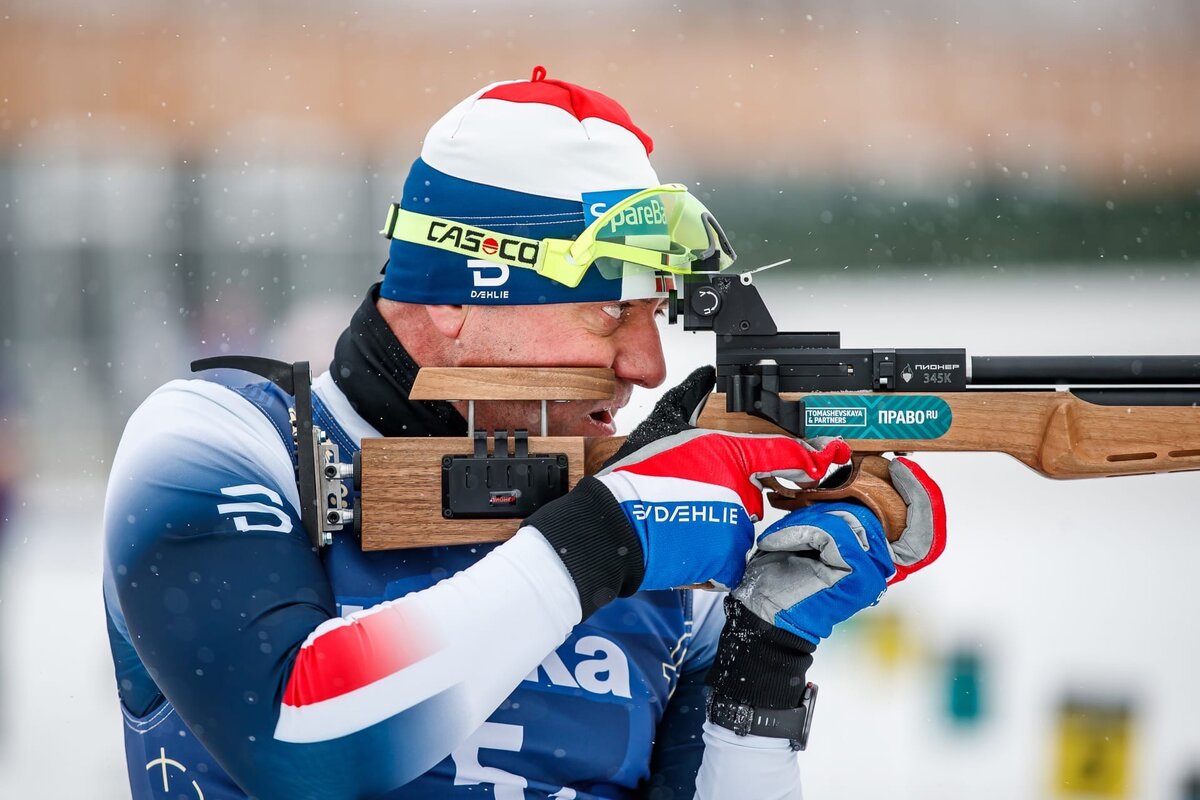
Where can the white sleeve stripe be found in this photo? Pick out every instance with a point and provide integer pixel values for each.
(490, 624)
(538, 564)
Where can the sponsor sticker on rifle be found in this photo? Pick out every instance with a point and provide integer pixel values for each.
(866, 416)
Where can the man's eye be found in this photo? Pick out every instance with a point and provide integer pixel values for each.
(614, 310)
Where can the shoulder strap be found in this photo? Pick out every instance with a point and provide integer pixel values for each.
(294, 380)
(276, 406)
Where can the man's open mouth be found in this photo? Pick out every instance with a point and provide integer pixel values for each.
(603, 416)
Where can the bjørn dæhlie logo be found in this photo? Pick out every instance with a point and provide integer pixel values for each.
(487, 278)
(716, 513)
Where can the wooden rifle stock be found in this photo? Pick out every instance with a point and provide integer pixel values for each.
(1053, 432)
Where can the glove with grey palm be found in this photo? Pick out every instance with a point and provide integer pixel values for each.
(814, 568)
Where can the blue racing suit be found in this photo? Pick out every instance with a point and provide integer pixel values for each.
(250, 664)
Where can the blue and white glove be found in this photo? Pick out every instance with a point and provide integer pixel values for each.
(814, 568)
(677, 504)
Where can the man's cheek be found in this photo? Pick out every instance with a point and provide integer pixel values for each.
(566, 419)
(528, 415)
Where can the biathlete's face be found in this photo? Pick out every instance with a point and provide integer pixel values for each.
(622, 336)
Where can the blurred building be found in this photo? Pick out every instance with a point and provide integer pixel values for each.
(196, 171)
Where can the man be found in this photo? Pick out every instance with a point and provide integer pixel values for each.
(562, 663)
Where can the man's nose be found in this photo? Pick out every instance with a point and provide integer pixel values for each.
(640, 357)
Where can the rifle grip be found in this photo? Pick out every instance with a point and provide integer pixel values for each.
(869, 483)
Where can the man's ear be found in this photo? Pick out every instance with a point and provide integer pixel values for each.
(447, 320)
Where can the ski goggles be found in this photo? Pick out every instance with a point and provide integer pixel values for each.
(663, 228)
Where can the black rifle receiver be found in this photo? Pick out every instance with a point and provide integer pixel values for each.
(756, 363)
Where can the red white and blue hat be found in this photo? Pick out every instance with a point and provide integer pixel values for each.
(519, 157)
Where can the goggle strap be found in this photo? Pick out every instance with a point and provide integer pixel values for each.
(562, 260)
(389, 224)
(446, 234)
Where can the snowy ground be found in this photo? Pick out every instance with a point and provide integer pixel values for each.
(1081, 587)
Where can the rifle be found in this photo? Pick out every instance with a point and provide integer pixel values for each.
(1063, 416)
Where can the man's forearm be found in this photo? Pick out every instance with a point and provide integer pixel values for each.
(506, 612)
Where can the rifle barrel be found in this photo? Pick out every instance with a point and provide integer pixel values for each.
(1085, 370)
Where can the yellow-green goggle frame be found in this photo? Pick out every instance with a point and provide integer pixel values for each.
(696, 242)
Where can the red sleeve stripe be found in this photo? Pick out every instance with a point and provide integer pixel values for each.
(344, 655)
(437, 677)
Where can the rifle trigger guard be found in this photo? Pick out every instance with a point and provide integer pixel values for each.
(869, 483)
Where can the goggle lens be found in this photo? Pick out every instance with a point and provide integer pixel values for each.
(671, 222)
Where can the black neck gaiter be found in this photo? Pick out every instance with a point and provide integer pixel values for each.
(375, 373)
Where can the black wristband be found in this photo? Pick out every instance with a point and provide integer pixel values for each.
(758, 664)
(593, 537)
(792, 724)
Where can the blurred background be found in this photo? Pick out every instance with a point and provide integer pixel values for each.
(186, 179)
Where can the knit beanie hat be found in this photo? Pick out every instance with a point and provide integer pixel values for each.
(521, 158)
